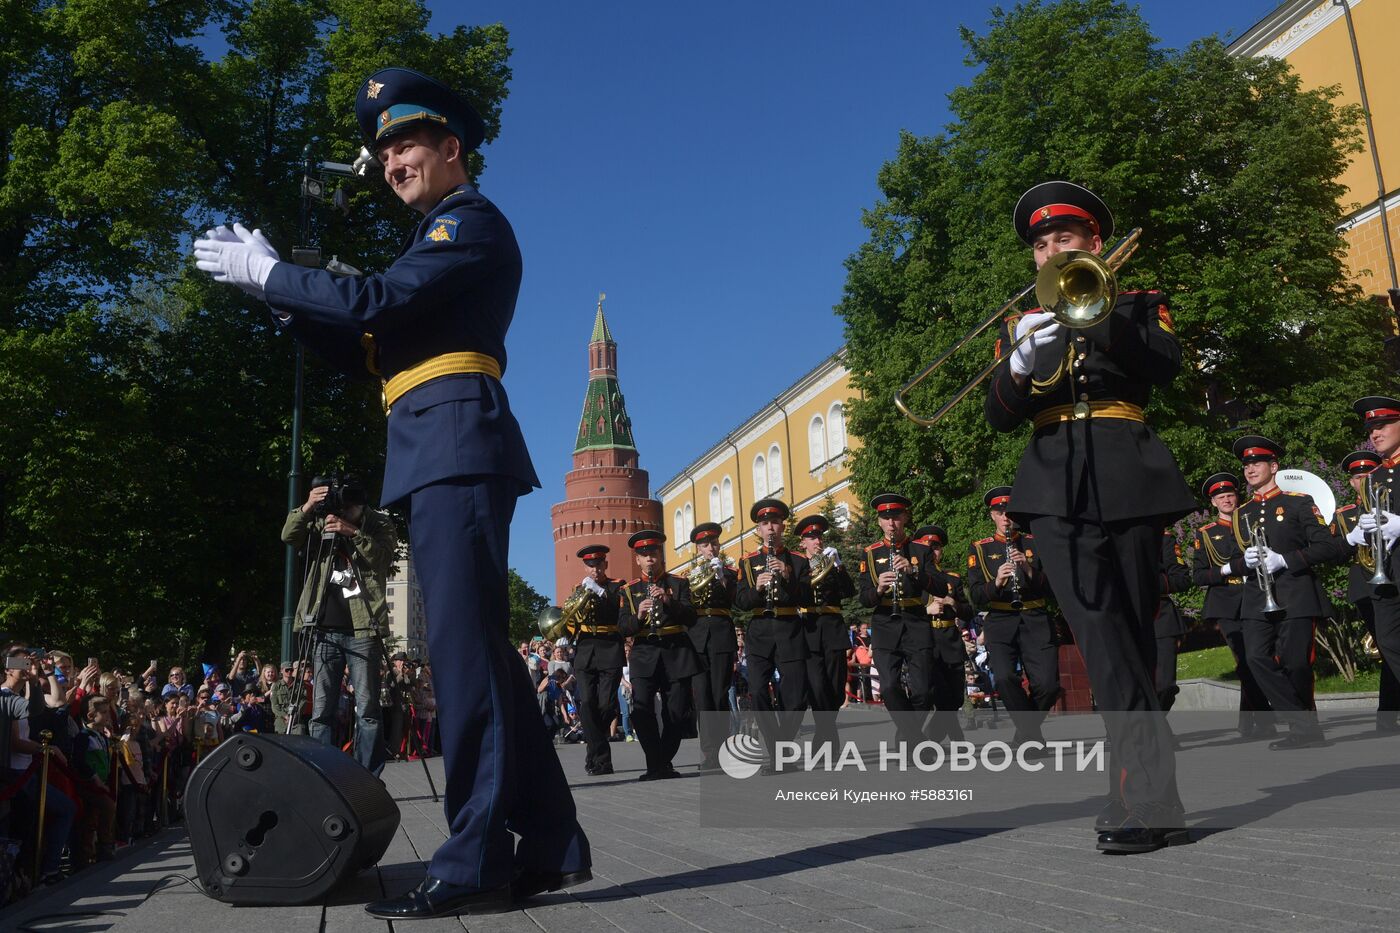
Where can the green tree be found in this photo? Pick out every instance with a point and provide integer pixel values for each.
(144, 487)
(526, 603)
(1227, 165)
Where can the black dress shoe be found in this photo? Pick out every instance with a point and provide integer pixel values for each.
(528, 883)
(650, 776)
(1126, 840)
(1299, 740)
(436, 898)
(1111, 816)
(600, 769)
(669, 773)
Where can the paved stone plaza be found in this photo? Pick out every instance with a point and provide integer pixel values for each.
(658, 868)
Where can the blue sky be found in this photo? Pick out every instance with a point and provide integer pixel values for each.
(705, 165)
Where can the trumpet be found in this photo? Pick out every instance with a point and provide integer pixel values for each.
(1379, 500)
(1076, 287)
(1259, 540)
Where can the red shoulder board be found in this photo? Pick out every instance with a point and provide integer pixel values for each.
(871, 547)
(986, 541)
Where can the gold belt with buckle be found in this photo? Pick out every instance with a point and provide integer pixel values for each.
(944, 623)
(661, 632)
(465, 363)
(1028, 604)
(1079, 411)
(783, 611)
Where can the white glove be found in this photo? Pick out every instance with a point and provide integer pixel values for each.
(1390, 528)
(1270, 558)
(831, 554)
(716, 563)
(1023, 360)
(241, 257)
(591, 585)
(1225, 570)
(1357, 536)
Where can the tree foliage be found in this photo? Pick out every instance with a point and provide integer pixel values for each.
(1227, 164)
(526, 603)
(144, 481)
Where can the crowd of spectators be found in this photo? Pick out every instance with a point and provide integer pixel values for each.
(122, 745)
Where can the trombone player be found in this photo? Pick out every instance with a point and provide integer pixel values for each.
(1380, 416)
(1278, 639)
(713, 586)
(598, 656)
(1095, 487)
(828, 639)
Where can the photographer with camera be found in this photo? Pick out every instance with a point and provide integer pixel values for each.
(342, 609)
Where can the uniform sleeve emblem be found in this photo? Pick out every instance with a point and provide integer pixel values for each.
(971, 560)
(1164, 318)
(862, 567)
(444, 229)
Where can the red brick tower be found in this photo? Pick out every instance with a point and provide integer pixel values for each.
(605, 494)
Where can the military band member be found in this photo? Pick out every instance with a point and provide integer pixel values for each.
(947, 615)
(1214, 546)
(828, 639)
(1380, 416)
(598, 659)
(896, 580)
(1005, 578)
(1280, 650)
(1096, 486)
(715, 642)
(1176, 577)
(656, 614)
(774, 583)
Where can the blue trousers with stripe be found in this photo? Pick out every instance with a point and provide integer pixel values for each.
(503, 776)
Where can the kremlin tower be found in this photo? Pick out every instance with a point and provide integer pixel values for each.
(606, 494)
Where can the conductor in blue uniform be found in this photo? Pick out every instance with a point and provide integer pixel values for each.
(432, 326)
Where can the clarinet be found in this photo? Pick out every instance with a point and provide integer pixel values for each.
(770, 592)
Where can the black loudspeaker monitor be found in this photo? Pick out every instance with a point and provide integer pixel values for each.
(283, 819)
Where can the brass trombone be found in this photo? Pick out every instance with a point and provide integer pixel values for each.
(1076, 287)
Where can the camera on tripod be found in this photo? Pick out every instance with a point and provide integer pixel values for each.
(342, 494)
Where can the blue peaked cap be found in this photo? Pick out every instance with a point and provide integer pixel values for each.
(393, 100)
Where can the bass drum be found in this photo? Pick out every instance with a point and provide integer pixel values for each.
(1302, 481)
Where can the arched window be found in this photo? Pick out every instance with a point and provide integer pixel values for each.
(760, 478)
(836, 431)
(775, 469)
(678, 527)
(726, 499)
(816, 441)
(715, 513)
(689, 525)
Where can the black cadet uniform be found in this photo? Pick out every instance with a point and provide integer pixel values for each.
(1280, 652)
(598, 660)
(1214, 546)
(900, 637)
(1016, 635)
(1176, 578)
(1095, 487)
(774, 639)
(828, 638)
(949, 666)
(1384, 620)
(663, 661)
(716, 644)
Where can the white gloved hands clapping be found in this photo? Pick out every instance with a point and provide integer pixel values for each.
(1023, 359)
(238, 256)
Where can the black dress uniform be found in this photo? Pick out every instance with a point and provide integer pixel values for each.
(1280, 652)
(716, 644)
(948, 671)
(828, 638)
(598, 661)
(663, 661)
(1096, 486)
(1176, 578)
(1018, 629)
(1376, 411)
(900, 637)
(1214, 546)
(774, 639)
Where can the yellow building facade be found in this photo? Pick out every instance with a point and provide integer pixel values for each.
(796, 448)
(1312, 36)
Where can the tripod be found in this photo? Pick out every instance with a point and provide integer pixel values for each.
(415, 744)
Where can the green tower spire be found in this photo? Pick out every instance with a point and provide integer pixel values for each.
(605, 424)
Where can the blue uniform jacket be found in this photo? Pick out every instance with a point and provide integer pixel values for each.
(452, 288)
